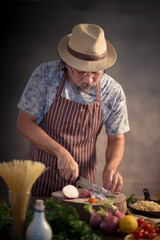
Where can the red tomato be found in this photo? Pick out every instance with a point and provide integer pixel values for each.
(140, 221)
(152, 230)
(147, 226)
(157, 228)
(92, 200)
(141, 230)
(145, 234)
(144, 225)
(152, 235)
(138, 234)
(151, 227)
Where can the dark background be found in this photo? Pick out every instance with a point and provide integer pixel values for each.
(30, 32)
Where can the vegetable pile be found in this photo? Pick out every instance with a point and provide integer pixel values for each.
(146, 230)
(106, 221)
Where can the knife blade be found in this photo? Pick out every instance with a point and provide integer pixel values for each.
(83, 182)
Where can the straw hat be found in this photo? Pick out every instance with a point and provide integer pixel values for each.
(87, 49)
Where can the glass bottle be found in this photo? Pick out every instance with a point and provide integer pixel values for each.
(39, 228)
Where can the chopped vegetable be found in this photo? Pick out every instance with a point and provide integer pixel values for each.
(92, 200)
(85, 193)
(70, 191)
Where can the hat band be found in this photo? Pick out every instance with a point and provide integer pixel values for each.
(86, 56)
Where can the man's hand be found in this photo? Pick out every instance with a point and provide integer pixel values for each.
(68, 167)
(112, 180)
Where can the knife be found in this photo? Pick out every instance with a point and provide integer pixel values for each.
(83, 182)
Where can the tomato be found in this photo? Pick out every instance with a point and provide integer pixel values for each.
(145, 234)
(92, 200)
(140, 221)
(138, 234)
(151, 226)
(157, 228)
(152, 230)
(141, 230)
(145, 225)
(152, 235)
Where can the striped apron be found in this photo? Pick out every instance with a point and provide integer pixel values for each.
(75, 126)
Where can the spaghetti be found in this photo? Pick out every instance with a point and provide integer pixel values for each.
(146, 206)
(20, 176)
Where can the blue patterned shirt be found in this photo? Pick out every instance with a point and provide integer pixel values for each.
(42, 87)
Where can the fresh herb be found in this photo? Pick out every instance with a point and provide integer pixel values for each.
(64, 221)
(88, 207)
(6, 218)
(131, 198)
(66, 225)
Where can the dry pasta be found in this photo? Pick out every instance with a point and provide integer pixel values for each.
(20, 176)
(146, 206)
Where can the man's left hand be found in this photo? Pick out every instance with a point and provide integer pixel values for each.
(112, 180)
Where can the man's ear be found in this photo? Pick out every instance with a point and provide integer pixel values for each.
(66, 65)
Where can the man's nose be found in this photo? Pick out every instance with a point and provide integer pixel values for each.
(88, 78)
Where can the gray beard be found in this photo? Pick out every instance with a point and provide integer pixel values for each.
(76, 88)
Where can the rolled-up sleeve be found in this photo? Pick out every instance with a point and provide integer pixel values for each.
(117, 121)
(33, 98)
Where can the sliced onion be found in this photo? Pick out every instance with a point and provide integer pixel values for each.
(70, 192)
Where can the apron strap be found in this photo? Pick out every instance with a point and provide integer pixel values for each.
(98, 93)
(63, 80)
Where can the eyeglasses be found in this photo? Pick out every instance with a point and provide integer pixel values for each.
(82, 74)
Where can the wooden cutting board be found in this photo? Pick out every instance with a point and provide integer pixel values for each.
(78, 203)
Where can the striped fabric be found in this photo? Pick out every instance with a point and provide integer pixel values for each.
(75, 126)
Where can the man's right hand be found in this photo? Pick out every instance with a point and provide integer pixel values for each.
(67, 166)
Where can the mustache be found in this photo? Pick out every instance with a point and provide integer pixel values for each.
(86, 85)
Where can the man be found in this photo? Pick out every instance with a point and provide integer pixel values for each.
(64, 106)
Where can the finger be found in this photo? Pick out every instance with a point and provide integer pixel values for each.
(119, 184)
(108, 179)
(75, 174)
(67, 176)
(114, 182)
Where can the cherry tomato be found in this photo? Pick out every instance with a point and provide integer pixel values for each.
(152, 235)
(152, 230)
(145, 225)
(92, 200)
(141, 230)
(151, 226)
(140, 221)
(157, 228)
(138, 234)
(145, 234)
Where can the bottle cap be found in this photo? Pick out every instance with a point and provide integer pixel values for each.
(39, 204)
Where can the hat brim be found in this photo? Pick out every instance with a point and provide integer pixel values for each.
(88, 66)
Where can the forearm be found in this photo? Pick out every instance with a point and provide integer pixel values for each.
(36, 135)
(67, 166)
(114, 152)
(112, 180)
